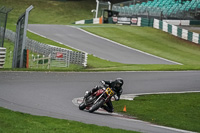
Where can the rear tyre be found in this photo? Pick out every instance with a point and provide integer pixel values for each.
(97, 105)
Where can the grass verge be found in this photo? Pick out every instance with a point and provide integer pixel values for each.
(95, 63)
(178, 50)
(145, 39)
(174, 110)
(152, 41)
(16, 122)
(50, 11)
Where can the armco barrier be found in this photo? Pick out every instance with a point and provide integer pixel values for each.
(195, 38)
(165, 26)
(89, 21)
(79, 58)
(139, 21)
(2, 56)
(176, 31)
(177, 22)
(184, 34)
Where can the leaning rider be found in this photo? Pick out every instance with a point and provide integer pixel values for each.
(116, 86)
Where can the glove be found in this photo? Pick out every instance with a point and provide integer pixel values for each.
(116, 98)
(103, 82)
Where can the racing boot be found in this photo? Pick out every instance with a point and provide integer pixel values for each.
(110, 110)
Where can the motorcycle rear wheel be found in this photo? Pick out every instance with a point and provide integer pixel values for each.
(97, 105)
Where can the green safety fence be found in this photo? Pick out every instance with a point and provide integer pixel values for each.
(170, 28)
(190, 35)
(89, 21)
(179, 32)
(199, 40)
(110, 20)
(194, 22)
(145, 22)
(160, 25)
(25, 58)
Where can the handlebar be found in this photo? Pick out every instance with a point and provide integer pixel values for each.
(102, 82)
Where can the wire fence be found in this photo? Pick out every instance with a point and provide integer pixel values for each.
(73, 57)
(3, 20)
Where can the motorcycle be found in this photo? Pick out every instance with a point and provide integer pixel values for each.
(97, 99)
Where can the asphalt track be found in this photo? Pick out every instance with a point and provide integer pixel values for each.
(92, 44)
(51, 94)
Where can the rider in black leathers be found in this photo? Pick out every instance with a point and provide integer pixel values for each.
(116, 85)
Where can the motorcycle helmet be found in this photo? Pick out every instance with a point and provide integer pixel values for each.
(118, 83)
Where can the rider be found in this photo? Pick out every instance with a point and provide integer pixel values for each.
(116, 86)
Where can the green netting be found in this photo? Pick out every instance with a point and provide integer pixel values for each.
(190, 36)
(160, 25)
(194, 22)
(170, 28)
(179, 31)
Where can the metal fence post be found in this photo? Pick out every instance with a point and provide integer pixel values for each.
(20, 41)
(24, 35)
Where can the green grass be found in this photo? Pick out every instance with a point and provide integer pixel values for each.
(146, 39)
(9, 56)
(152, 41)
(186, 53)
(179, 110)
(50, 11)
(9, 53)
(46, 41)
(16, 122)
(174, 49)
(159, 43)
(174, 110)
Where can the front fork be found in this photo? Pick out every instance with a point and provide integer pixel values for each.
(99, 97)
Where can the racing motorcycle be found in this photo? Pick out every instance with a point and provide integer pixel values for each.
(97, 99)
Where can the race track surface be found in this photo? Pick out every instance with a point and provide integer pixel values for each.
(105, 49)
(51, 94)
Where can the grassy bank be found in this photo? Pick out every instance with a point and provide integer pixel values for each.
(145, 39)
(139, 38)
(180, 110)
(152, 41)
(50, 11)
(173, 110)
(16, 122)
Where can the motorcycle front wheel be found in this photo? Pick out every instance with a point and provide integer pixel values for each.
(82, 106)
(97, 105)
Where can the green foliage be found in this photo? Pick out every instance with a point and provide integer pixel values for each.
(173, 110)
(16, 122)
(9, 53)
(50, 11)
(145, 39)
(152, 41)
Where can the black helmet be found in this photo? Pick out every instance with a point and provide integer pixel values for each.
(118, 83)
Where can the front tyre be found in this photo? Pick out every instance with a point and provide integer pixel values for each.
(82, 106)
(97, 105)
